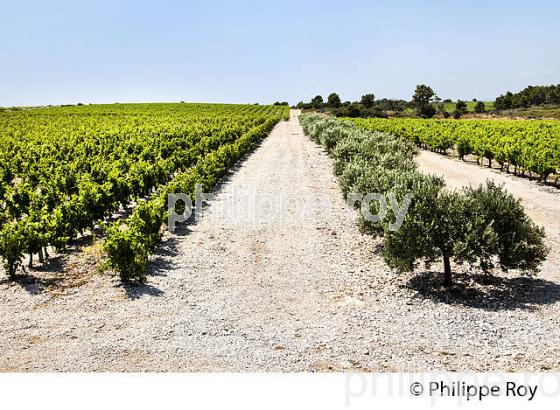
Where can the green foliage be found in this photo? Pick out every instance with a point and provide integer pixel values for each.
(516, 241)
(127, 252)
(368, 100)
(480, 107)
(525, 145)
(333, 101)
(64, 169)
(367, 107)
(12, 246)
(432, 228)
(356, 110)
(449, 105)
(461, 107)
(422, 101)
(128, 248)
(386, 104)
(530, 96)
(423, 95)
(317, 102)
(484, 227)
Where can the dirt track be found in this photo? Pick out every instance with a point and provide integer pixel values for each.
(262, 283)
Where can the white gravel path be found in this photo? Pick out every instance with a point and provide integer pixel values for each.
(279, 291)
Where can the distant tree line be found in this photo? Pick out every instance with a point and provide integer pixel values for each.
(366, 107)
(532, 95)
(426, 104)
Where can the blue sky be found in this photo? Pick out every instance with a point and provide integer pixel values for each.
(56, 52)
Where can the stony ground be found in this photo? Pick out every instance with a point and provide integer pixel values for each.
(276, 277)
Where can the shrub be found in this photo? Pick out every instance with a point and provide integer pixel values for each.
(12, 247)
(479, 107)
(317, 102)
(519, 242)
(127, 252)
(331, 136)
(354, 110)
(461, 107)
(333, 101)
(463, 148)
(368, 100)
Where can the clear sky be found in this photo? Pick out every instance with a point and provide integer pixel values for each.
(54, 52)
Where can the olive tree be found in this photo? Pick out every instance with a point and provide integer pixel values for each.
(431, 230)
(485, 227)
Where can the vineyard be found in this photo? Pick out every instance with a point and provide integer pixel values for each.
(65, 169)
(517, 146)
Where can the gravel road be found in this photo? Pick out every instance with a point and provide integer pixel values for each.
(276, 277)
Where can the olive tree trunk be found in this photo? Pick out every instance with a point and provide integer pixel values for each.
(447, 281)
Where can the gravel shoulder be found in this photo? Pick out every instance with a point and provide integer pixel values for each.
(262, 283)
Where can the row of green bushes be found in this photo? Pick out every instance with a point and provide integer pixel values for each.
(484, 227)
(523, 145)
(129, 243)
